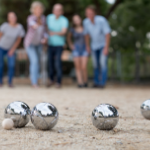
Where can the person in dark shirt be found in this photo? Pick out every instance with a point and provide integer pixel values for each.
(76, 41)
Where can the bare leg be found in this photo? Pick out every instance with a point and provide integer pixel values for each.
(77, 62)
(84, 61)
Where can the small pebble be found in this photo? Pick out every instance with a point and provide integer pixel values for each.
(60, 131)
(119, 142)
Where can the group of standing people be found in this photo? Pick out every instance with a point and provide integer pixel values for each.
(91, 36)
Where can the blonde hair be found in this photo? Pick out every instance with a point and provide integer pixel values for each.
(35, 4)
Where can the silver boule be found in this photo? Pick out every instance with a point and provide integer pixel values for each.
(44, 116)
(105, 117)
(19, 112)
(145, 109)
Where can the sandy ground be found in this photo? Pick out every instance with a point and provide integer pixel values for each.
(74, 130)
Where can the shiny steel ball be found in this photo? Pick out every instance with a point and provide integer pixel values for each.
(145, 109)
(19, 112)
(105, 117)
(44, 116)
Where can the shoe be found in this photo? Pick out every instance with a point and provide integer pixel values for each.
(35, 86)
(58, 85)
(11, 85)
(101, 86)
(50, 84)
(97, 86)
(80, 86)
(85, 85)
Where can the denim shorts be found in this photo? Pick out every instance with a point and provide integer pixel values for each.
(80, 51)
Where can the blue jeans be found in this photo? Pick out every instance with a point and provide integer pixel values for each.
(100, 67)
(34, 53)
(54, 62)
(11, 65)
(80, 51)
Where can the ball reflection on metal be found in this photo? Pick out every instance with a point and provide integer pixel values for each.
(105, 117)
(19, 112)
(145, 109)
(44, 116)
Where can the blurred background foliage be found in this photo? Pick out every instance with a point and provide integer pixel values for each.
(130, 44)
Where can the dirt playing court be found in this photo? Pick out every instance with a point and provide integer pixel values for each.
(74, 130)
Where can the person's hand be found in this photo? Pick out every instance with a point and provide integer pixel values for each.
(88, 48)
(72, 47)
(35, 26)
(52, 33)
(105, 51)
(44, 41)
(11, 52)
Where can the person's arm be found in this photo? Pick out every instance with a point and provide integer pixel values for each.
(106, 30)
(45, 33)
(3, 29)
(14, 47)
(45, 38)
(87, 42)
(1, 34)
(87, 37)
(32, 23)
(61, 33)
(69, 40)
(106, 48)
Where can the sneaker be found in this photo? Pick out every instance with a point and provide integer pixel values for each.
(35, 86)
(101, 86)
(11, 85)
(97, 86)
(50, 84)
(85, 85)
(58, 85)
(80, 86)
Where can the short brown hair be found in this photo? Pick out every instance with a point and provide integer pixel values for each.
(92, 7)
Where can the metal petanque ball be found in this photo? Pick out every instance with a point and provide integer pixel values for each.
(105, 117)
(44, 116)
(145, 109)
(19, 112)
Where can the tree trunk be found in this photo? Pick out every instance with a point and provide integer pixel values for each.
(114, 6)
(98, 7)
